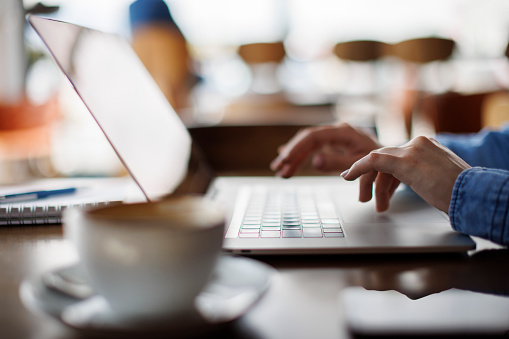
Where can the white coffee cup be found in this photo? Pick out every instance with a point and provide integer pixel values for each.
(149, 259)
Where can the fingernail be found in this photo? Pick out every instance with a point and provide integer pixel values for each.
(285, 171)
(274, 164)
(345, 173)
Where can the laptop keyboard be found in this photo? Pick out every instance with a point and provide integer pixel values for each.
(287, 213)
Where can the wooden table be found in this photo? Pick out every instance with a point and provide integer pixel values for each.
(301, 302)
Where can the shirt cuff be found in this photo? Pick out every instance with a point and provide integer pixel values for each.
(479, 204)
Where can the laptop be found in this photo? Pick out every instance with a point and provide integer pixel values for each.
(266, 215)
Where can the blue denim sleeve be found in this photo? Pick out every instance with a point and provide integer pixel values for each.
(486, 148)
(480, 204)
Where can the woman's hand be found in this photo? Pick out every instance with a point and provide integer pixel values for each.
(429, 168)
(332, 148)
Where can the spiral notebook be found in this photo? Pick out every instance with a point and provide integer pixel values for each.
(89, 192)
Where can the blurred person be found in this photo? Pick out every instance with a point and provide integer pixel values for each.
(163, 49)
(466, 176)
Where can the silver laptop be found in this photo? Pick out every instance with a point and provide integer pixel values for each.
(267, 215)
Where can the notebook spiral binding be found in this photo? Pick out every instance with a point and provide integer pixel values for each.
(16, 215)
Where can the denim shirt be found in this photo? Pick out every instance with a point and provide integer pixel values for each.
(480, 197)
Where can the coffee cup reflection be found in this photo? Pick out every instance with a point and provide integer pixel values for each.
(148, 260)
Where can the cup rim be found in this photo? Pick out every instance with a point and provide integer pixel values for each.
(182, 219)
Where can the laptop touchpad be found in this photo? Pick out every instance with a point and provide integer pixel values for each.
(405, 207)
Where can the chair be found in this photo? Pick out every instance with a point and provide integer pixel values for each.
(423, 50)
(468, 113)
(360, 95)
(455, 112)
(262, 52)
(263, 60)
(415, 53)
(360, 50)
(361, 57)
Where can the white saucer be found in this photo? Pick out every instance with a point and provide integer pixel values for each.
(237, 284)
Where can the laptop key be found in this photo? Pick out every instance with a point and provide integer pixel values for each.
(331, 226)
(252, 221)
(312, 233)
(271, 234)
(271, 218)
(251, 226)
(330, 221)
(333, 235)
(291, 214)
(271, 224)
(250, 230)
(248, 235)
(332, 230)
(292, 227)
(291, 223)
(292, 233)
(271, 228)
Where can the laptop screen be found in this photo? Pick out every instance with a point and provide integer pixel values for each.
(136, 118)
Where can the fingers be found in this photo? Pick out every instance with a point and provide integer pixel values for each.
(331, 161)
(383, 160)
(378, 167)
(287, 170)
(306, 142)
(427, 167)
(298, 149)
(366, 186)
(386, 184)
(280, 149)
(394, 186)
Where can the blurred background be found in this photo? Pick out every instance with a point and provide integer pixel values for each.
(401, 68)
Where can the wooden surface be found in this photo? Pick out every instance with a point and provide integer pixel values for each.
(301, 302)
